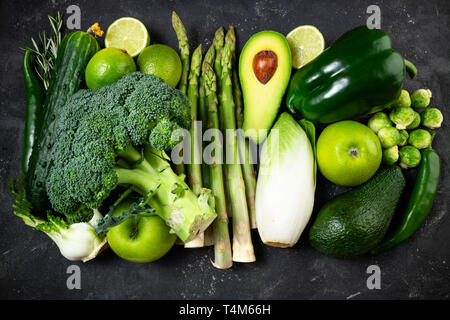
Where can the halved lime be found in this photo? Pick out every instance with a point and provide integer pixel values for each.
(306, 43)
(128, 34)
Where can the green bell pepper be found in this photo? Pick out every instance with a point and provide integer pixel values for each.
(358, 74)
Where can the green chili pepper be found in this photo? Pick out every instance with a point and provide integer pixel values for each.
(34, 97)
(358, 74)
(420, 201)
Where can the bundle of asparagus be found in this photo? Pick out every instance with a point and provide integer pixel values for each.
(204, 80)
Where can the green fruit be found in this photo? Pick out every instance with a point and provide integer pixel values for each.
(356, 221)
(161, 61)
(265, 66)
(348, 153)
(107, 66)
(140, 238)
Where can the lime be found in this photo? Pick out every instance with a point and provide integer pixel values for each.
(306, 43)
(107, 66)
(129, 34)
(161, 61)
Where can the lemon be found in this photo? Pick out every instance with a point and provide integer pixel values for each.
(161, 61)
(306, 43)
(107, 66)
(128, 34)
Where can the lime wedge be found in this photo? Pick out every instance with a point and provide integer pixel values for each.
(306, 43)
(129, 34)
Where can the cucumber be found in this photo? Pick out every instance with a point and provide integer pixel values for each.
(75, 51)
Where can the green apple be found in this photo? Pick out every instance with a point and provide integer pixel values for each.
(140, 238)
(348, 153)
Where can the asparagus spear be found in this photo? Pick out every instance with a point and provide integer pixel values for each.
(184, 54)
(222, 245)
(219, 38)
(242, 242)
(203, 112)
(245, 152)
(203, 109)
(218, 42)
(184, 51)
(194, 167)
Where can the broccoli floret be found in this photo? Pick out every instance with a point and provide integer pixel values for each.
(131, 121)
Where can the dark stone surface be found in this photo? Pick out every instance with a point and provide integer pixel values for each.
(31, 266)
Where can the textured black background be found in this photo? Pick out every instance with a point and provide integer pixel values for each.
(31, 266)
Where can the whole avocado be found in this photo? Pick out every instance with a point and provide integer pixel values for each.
(356, 221)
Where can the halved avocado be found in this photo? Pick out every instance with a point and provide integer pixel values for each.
(265, 66)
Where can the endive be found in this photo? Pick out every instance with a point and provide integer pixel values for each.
(286, 182)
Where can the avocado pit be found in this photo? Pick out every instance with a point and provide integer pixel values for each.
(265, 63)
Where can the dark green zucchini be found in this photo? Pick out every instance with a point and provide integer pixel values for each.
(75, 51)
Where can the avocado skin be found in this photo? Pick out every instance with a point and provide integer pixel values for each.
(356, 221)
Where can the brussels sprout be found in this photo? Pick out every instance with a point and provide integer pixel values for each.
(405, 136)
(379, 120)
(432, 118)
(420, 139)
(389, 137)
(402, 117)
(409, 157)
(403, 101)
(415, 123)
(420, 98)
(390, 155)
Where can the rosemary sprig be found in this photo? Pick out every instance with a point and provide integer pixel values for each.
(46, 53)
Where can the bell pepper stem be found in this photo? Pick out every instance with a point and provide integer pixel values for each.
(411, 69)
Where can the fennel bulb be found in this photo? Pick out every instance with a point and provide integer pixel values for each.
(77, 241)
(286, 182)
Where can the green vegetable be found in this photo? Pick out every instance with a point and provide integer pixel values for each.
(415, 123)
(75, 241)
(203, 110)
(184, 50)
(183, 45)
(349, 78)
(97, 127)
(403, 101)
(420, 139)
(432, 118)
(379, 120)
(420, 201)
(222, 245)
(389, 137)
(74, 53)
(287, 170)
(405, 135)
(356, 221)
(390, 155)
(245, 152)
(194, 167)
(421, 98)
(409, 157)
(34, 98)
(242, 242)
(402, 117)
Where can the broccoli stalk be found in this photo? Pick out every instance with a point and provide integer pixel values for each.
(166, 192)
